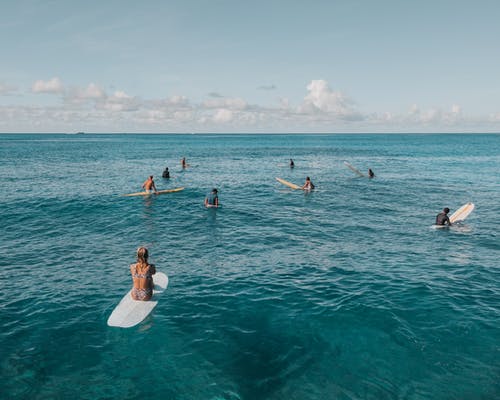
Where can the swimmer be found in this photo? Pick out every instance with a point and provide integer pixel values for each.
(308, 185)
(212, 200)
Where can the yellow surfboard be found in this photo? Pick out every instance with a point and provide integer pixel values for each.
(153, 193)
(289, 184)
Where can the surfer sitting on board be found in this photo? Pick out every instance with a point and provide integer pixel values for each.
(142, 276)
(308, 185)
(183, 163)
(442, 218)
(370, 173)
(166, 173)
(149, 185)
(212, 200)
(292, 164)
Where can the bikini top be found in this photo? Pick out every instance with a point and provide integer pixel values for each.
(145, 275)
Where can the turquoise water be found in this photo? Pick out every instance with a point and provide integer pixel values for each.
(342, 293)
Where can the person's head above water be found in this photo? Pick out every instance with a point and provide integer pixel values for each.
(142, 255)
(446, 210)
(214, 190)
(308, 179)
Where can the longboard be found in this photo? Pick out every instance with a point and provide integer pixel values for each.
(130, 312)
(289, 184)
(462, 213)
(459, 215)
(153, 193)
(353, 169)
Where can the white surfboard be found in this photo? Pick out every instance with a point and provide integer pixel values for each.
(353, 169)
(462, 213)
(130, 312)
(458, 216)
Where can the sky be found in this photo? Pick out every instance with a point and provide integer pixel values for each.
(272, 66)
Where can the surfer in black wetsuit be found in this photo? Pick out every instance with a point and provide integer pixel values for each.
(292, 164)
(442, 218)
(370, 173)
(166, 173)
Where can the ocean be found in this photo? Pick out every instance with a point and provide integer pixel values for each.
(345, 292)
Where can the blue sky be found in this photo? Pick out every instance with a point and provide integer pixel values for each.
(260, 66)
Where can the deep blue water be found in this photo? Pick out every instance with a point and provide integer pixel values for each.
(342, 293)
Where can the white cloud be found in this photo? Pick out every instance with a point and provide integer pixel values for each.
(322, 98)
(495, 117)
(92, 91)
(226, 102)
(6, 89)
(121, 95)
(53, 85)
(321, 110)
(119, 101)
(223, 116)
(183, 116)
(456, 109)
(178, 100)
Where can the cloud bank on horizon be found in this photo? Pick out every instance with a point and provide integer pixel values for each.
(261, 67)
(321, 110)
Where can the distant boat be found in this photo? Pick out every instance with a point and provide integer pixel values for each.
(80, 133)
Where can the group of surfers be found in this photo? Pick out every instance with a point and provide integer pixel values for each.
(142, 272)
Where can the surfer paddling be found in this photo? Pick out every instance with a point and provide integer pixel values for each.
(212, 200)
(308, 185)
(149, 185)
(442, 218)
(142, 276)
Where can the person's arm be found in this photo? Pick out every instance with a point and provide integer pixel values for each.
(448, 220)
(152, 268)
(216, 202)
(154, 187)
(206, 201)
(132, 272)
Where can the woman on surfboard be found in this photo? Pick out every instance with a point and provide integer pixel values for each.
(308, 185)
(142, 276)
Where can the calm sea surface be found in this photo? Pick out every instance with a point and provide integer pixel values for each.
(343, 293)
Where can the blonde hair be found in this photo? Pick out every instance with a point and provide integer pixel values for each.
(142, 256)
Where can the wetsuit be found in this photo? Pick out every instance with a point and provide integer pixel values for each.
(166, 174)
(442, 219)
